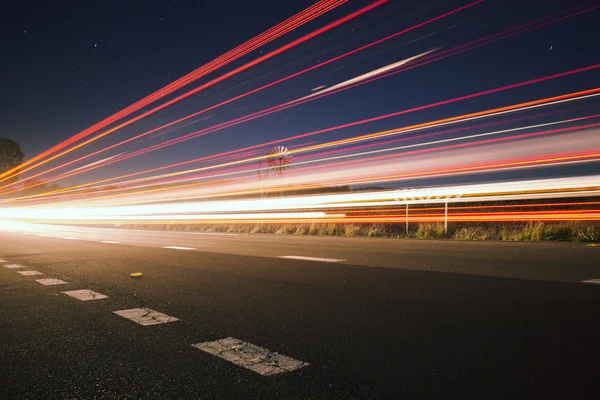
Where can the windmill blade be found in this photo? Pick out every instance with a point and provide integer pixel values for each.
(279, 159)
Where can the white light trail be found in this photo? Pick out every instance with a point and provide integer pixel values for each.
(368, 75)
(271, 209)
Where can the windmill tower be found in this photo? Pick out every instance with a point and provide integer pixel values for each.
(278, 161)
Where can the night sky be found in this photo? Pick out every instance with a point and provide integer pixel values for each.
(66, 65)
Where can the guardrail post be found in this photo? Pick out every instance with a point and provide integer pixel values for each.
(446, 217)
(406, 219)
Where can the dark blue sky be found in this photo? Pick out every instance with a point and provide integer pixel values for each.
(69, 64)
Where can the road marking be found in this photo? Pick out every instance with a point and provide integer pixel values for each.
(29, 273)
(178, 248)
(110, 242)
(145, 316)
(50, 281)
(14, 266)
(85, 295)
(44, 235)
(70, 238)
(2, 261)
(312, 258)
(25, 233)
(249, 356)
(592, 281)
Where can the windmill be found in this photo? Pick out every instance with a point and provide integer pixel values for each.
(278, 160)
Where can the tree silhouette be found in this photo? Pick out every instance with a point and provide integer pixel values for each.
(10, 156)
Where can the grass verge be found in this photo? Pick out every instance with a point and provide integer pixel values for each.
(533, 231)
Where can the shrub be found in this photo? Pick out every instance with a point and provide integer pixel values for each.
(578, 231)
(430, 231)
(477, 233)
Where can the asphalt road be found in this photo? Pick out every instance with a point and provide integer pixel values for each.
(378, 318)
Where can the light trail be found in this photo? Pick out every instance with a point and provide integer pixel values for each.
(385, 150)
(495, 37)
(56, 193)
(480, 42)
(281, 29)
(300, 205)
(483, 41)
(438, 123)
(255, 91)
(352, 124)
(346, 175)
(223, 187)
(123, 156)
(214, 81)
(471, 116)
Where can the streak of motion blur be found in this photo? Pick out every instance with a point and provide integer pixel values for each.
(368, 115)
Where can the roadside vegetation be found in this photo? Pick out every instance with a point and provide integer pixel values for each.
(532, 231)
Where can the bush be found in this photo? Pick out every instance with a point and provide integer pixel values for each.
(430, 231)
(567, 231)
(477, 233)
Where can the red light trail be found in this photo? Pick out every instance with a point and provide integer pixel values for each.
(305, 16)
(222, 187)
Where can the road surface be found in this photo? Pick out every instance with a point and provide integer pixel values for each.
(350, 317)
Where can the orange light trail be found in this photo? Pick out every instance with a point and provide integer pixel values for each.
(495, 37)
(302, 18)
(554, 159)
(436, 123)
(214, 81)
(332, 208)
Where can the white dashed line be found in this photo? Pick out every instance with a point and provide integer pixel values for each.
(597, 281)
(249, 356)
(2, 261)
(30, 273)
(110, 242)
(50, 281)
(85, 295)
(178, 248)
(14, 266)
(25, 233)
(311, 258)
(70, 238)
(145, 316)
(44, 235)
